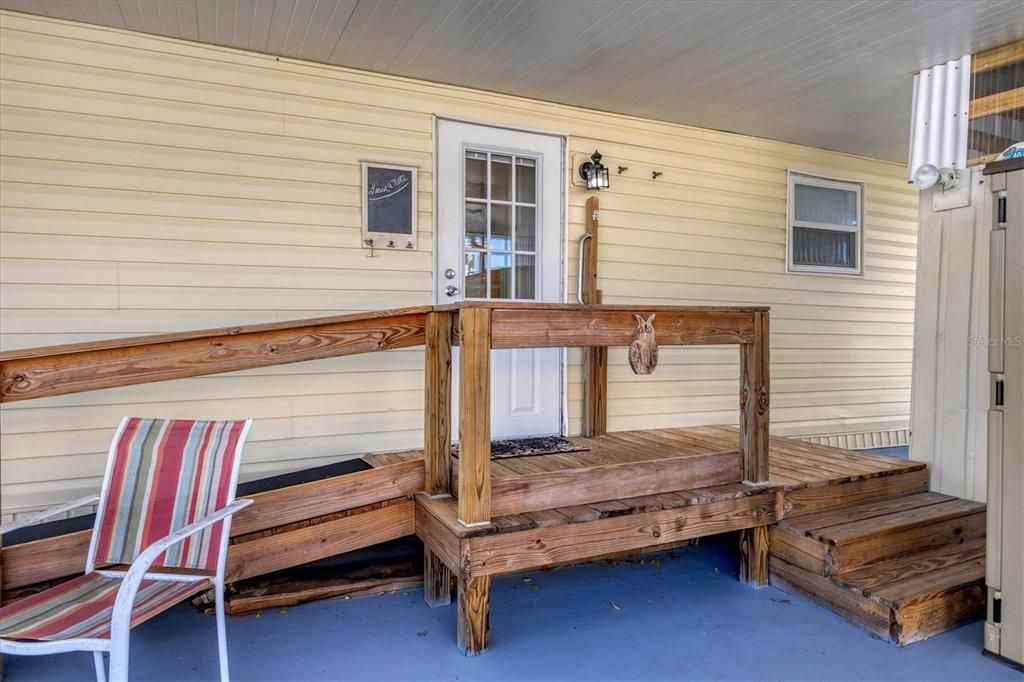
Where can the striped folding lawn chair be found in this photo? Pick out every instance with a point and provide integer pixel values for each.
(163, 521)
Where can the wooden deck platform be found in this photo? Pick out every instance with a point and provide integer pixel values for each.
(812, 477)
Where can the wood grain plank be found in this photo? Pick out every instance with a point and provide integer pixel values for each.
(85, 367)
(302, 545)
(319, 498)
(474, 482)
(437, 580)
(437, 534)
(810, 523)
(755, 401)
(797, 549)
(578, 326)
(926, 617)
(437, 393)
(872, 578)
(892, 542)
(812, 499)
(474, 614)
(570, 487)
(509, 552)
(47, 559)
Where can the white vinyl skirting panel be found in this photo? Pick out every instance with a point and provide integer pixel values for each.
(938, 129)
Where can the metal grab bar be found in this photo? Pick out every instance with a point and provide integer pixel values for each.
(579, 267)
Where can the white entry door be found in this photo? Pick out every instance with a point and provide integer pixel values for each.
(499, 236)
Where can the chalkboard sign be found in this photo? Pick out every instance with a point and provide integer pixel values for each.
(389, 206)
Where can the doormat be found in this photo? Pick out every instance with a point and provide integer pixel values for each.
(527, 447)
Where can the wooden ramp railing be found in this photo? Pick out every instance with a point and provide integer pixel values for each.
(283, 528)
(304, 523)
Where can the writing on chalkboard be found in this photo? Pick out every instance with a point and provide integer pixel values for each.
(389, 206)
(389, 188)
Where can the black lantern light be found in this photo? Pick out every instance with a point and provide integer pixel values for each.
(594, 172)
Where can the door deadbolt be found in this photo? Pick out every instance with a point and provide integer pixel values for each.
(449, 274)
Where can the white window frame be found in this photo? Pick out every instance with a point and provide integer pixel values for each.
(795, 178)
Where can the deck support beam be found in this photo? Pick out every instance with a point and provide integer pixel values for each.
(754, 556)
(754, 418)
(474, 614)
(437, 577)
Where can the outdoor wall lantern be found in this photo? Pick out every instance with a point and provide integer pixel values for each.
(595, 173)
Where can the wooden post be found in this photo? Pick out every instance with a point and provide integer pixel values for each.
(754, 403)
(595, 388)
(754, 417)
(595, 358)
(474, 416)
(474, 613)
(437, 441)
(754, 556)
(437, 433)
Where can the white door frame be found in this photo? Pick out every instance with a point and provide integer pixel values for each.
(563, 227)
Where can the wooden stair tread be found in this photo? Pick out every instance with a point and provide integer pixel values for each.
(931, 583)
(902, 612)
(856, 531)
(876, 578)
(861, 512)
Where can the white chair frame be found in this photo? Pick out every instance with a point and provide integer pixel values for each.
(131, 580)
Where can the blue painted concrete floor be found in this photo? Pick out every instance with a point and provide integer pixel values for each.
(675, 616)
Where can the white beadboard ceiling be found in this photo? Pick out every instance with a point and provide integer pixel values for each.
(832, 74)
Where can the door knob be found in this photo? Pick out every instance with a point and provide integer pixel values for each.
(451, 290)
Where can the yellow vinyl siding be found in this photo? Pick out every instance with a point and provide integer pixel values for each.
(153, 185)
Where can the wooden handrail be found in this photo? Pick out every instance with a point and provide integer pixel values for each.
(73, 368)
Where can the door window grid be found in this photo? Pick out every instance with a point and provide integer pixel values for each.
(500, 218)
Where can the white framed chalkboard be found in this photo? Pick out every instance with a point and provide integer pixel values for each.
(389, 206)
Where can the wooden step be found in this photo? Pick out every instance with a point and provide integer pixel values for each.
(842, 540)
(876, 581)
(904, 569)
(936, 594)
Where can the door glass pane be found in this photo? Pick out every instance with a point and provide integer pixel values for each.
(476, 225)
(501, 222)
(501, 177)
(526, 228)
(526, 277)
(476, 276)
(501, 226)
(824, 247)
(500, 266)
(825, 205)
(526, 180)
(476, 175)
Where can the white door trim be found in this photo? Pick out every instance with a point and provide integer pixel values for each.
(563, 227)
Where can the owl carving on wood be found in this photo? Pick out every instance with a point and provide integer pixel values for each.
(643, 352)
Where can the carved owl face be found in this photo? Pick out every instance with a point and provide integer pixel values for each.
(644, 326)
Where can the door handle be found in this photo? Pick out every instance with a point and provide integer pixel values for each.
(451, 290)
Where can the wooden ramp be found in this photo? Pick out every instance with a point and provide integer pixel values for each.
(904, 569)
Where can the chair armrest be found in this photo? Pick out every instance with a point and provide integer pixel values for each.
(48, 513)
